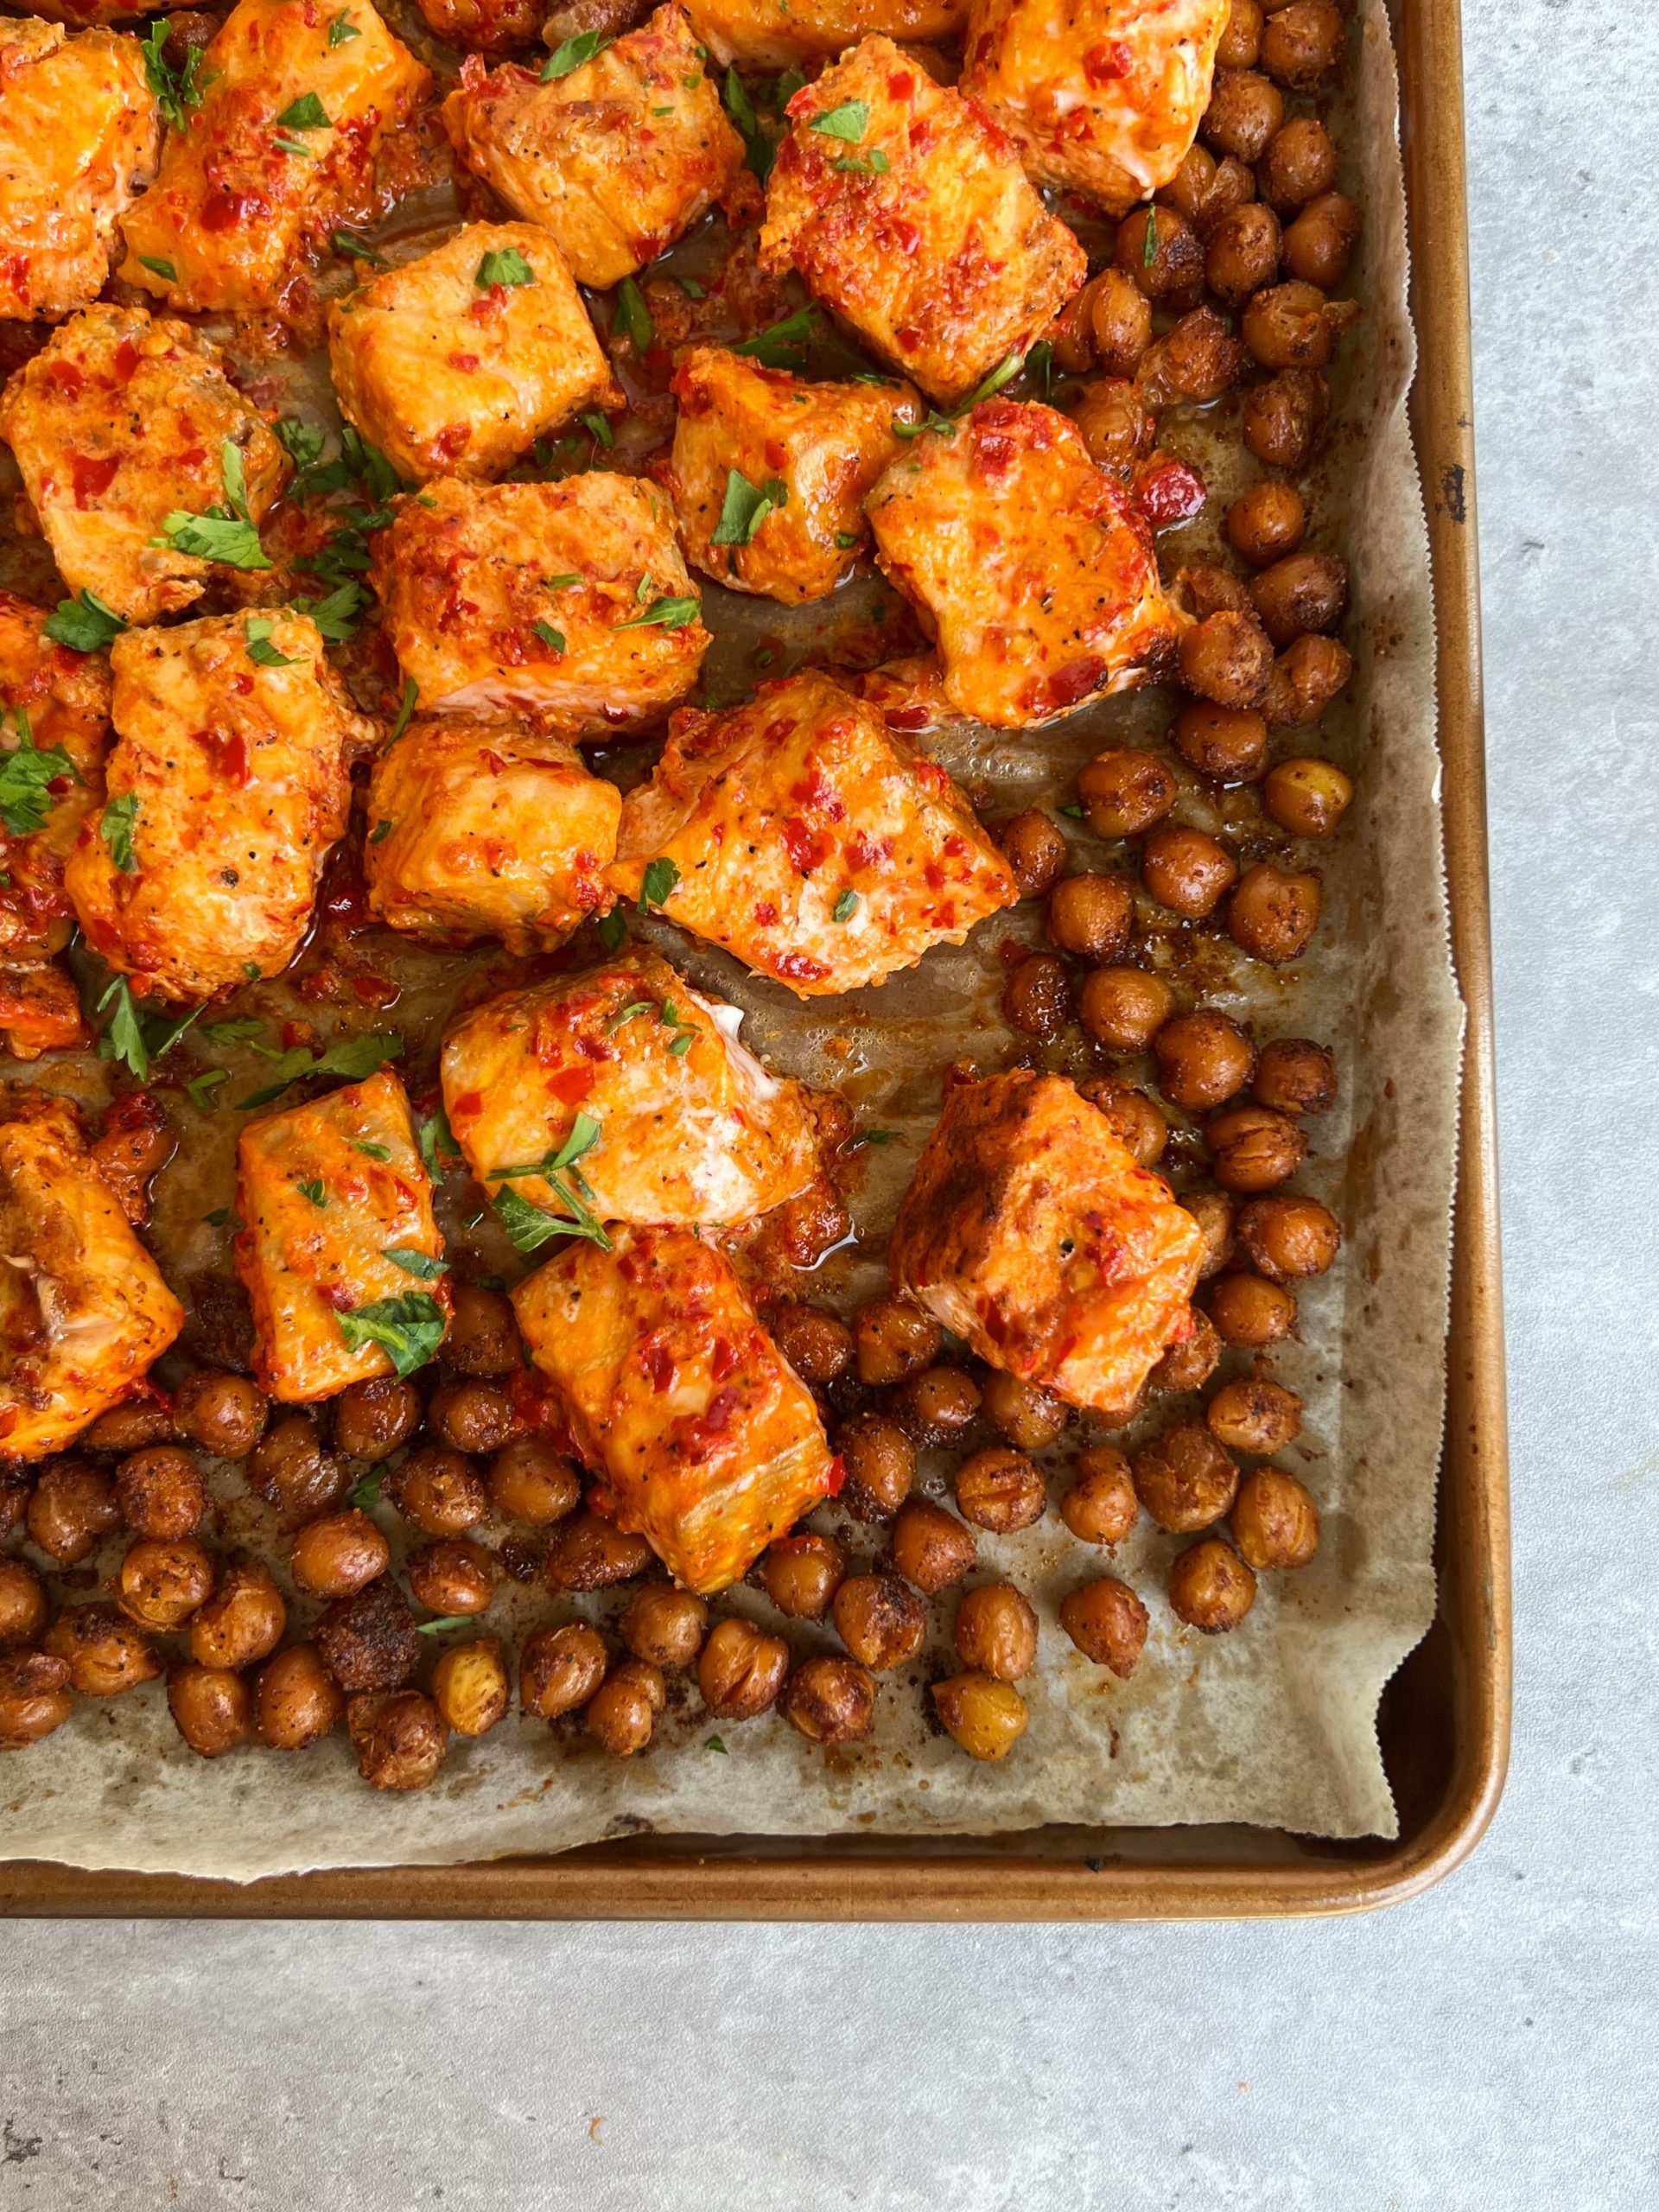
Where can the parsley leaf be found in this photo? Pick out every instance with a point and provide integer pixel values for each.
(664, 614)
(261, 651)
(759, 152)
(846, 906)
(418, 1264)
(660, 877)
(508, 266)
(157, 267)
(571, 55)
(116, 827)
(214, 537)
(1149, 244)
(633, 316)
(874, 164)
(408, 1328)
(315, 1192)
(380, 832)
(336, 616)
(287, 145)
(200, 1087)
(306, 113)
(713, 1743)
(530, 1226)
(783, 345)
(126, 1033)
(235, 1031)
(367, 1492)
(27, 774)
(612, 927)
(354, 250)
(435, 1135)
(872, 1136)
(1004, 372)
(176, 90)
(745, 507)
(444, 1623)
(354, 1058)
(342, 29)
(411, 693)
(301, 441)
(1040, 361)
(552, 638)
(849, 121)
(598, 429)
(380, 479)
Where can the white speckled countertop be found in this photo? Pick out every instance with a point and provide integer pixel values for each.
(1491, 2045)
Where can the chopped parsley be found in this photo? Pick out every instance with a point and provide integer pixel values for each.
(782, 345)
(419, 1264)
(342, 29)
(27, 774)
(746, 506)
(571, 55)
(435, 1135)
(287, 145)
(633, 316)
(598, 429)
(353, 1058)
(408, 1328)
(445, 1621)
(177, 92)
(200, 1087)
(759, 152)
(849, 121)
(664, 614)
(116, 827)
(846, 906)
(529, 1226)
(552, 638)
(315, 1192)
(236, 1030)
(406, 707)
(613, 928)
(337, 615)
(874, 164)
(354, 250)
(158, 267)
(658, 884)
(306, 113)
(506, 266)
(367, 1492)
(125, 1033)
(1149, 245)
(261, 651)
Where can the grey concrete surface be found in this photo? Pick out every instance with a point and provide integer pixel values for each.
(1491, 2045)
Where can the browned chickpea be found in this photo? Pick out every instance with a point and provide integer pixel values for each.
(892, 1339)
(1123, 1008)
(1295, 1075)
(1020, 1413)
(1303, 592)
(71, 1510)
(1267, 522)
(930, 1548)
(1203, 1059)
(1214, 590)
(442, 1493)
(368, 1641)
(242, 1622)
(1307, 797)
(13, 1499)
(560, 1668)
(1125, 791)
(1189, 1364)
(452, 1576)
(1248, 1310)
(1167, 267)
(1275, 1523)
(1213, 1212)
(296, 1701)
(802, 1574)
(291, 1471)
(1245, 110)
(1186, 869)
(105, 1653)
(985, 1716)
(212, 1708)
(22, 1604)
(1225, 657)
(830, 1701)
(741, 1669)
(1307, 676)
(1296, 164)
(1273, 914)
(1068, 333)
(1138, 1125)
(1001, 1491)
(160, 1492)
(223, 1413)
(664, 1625)
(1241, 252)
(129, 1427)
(373, 1418)
(1036, 997)
(817, 1346)
(1211, 1588)
(1091, 915)
(1116, 424)
(1227, 744)
(1320, 245)
(1190, 185)
(1301, 43)
(880, 1619)
(1289, 1239)
(401, 1740)
(161, 1584)
(1120, 319)
(622, 1712)
(1108, 1623)
(1101, 1506)
(339, 1554)
(1254, 1415)
(801, 1230)
(483, 1336)
(934, 1406)
(881, 1463)
(1284, 419)
(1193, 364)
(471, 1688)
(1184, 1478)
(996, 1631)
(1241, 37)
(530, 1481)
(1034, 850)
(1232, 186)
(471, 1416)
(35, 1698)
(1253, 1149)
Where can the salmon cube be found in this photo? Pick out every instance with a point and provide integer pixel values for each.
(54, 715)
(760, 34)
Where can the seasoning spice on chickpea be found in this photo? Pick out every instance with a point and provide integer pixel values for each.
(1123, 1008)
(1020, 1413)
(590, 1553)
(1203, 1059)
(224, 1413)
(291, 1471)
(160, 1492)
(129, 1427)
(471, 1688)
(622, 1712)
(1289, 1239)
(1241, 252)
(400, 1740)
(1108, 1623)
(297, 1701)
(996, 1631)
(483, 1333)
(1285, 418)
(243, 1620)
(1229, 745)
(373, 1418)
(816, 1344)
(22, 1604)
(935, 1406)
(470, 1414)
(880, 1464)
(106, 1654)
(663, 1624)
(1101, 1506)
(161, 1584)
(339, 1554)
(368, 1641)
(1250, 1311)
(1034, 850)
(1267, 522)
(1211, 1588)
(1273, 914)
(1302, 43)
(1091, 915)
(1185, 1479)
(830, 1700)
(1123, 792)
(70, 1509)
(1276, 1521)
(880, 1619)
(1187, 870)
(1253, 1149)
(1116, 424)
(1255, 1415)
(1320, 245)
(985, 1716)
(560, 1668)
(210, 1707)
(1213, 1212)
(532, 1482)
(452, 1575)
(892, 1339)
(1036, 997)
(1302, 593)
(1245, 110)
(1307, 676)
(802, 1574)
(1226, 658)
(1298, 164)
(440, 1491)
(1307, 797)
(1001, 1490)
(741, 1669)
(1295, 1075)
(35, 1698)
(1241, 37)
(1188, 1364)
(930, 1548)
(1160, 254)
(1120, 321)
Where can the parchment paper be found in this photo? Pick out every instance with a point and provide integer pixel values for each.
(1274, 1723)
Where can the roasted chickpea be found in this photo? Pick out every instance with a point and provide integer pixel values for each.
(129, 1427)
(105, 1652)
(401, 1740)
(297, 1701)
(1123, 1008)
(1245, 110)
(1253, 1149)
(1213, 1212)
(1250, 1311)
(741, 1669)
(1301, 43)
(1108, 1623)
(560, 1668)
(590, 1553)
(930, 1548)
(1193, 364)
(1101, 1506)
(161, 1583)
(71, 1508)
(1241, 37)
(996, 1631)
(483, 1337)
(985, 1716)
(452, 1576)
(892, 1339)
(1289, 1239)
(1211, 1588)
(1253, 1414)
(1168, 267)
(242, 1622)
(1001, 1491)
(1241, 252)
(339, 1554)
(802, 1574)
(1091, 915)
(1138, 1125)
(531, 1482)
(1225, 657)
(470, 1687)
(1034, 850)
(22, 1604)
(1320, 245)
(664, 1625)
(1232, 186)
(1184, 1478)
(1116, 424)
(1267, 522)
(1203, 1059)
(1188, 1365)
(1275, 1523)
(1187, 870)
(934, 1406)
(817, 1346)
(13, 1499)
(373, 1418)
(1069, 336)
(1125, 791)
(368, 1641)
(442, 1493)
(801, 1230)
(160, 1492)
(472, 1416)
(881, 1463)
(1284, 419)
(1302, 593)
(1307, 797)
(223, 1413)
(1214, 590)
(880, 1619)
(212, 1708)
(35, 1698)
(622, 1712)
(1296, 164)
(1190, 185)
(291, 1471)
(1273, 914)
(1036, 997)
(1120, 320)
(1295, 1075)
(1307, 676)
(830, 1700)
(1020, 1413)
(1227, 744)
